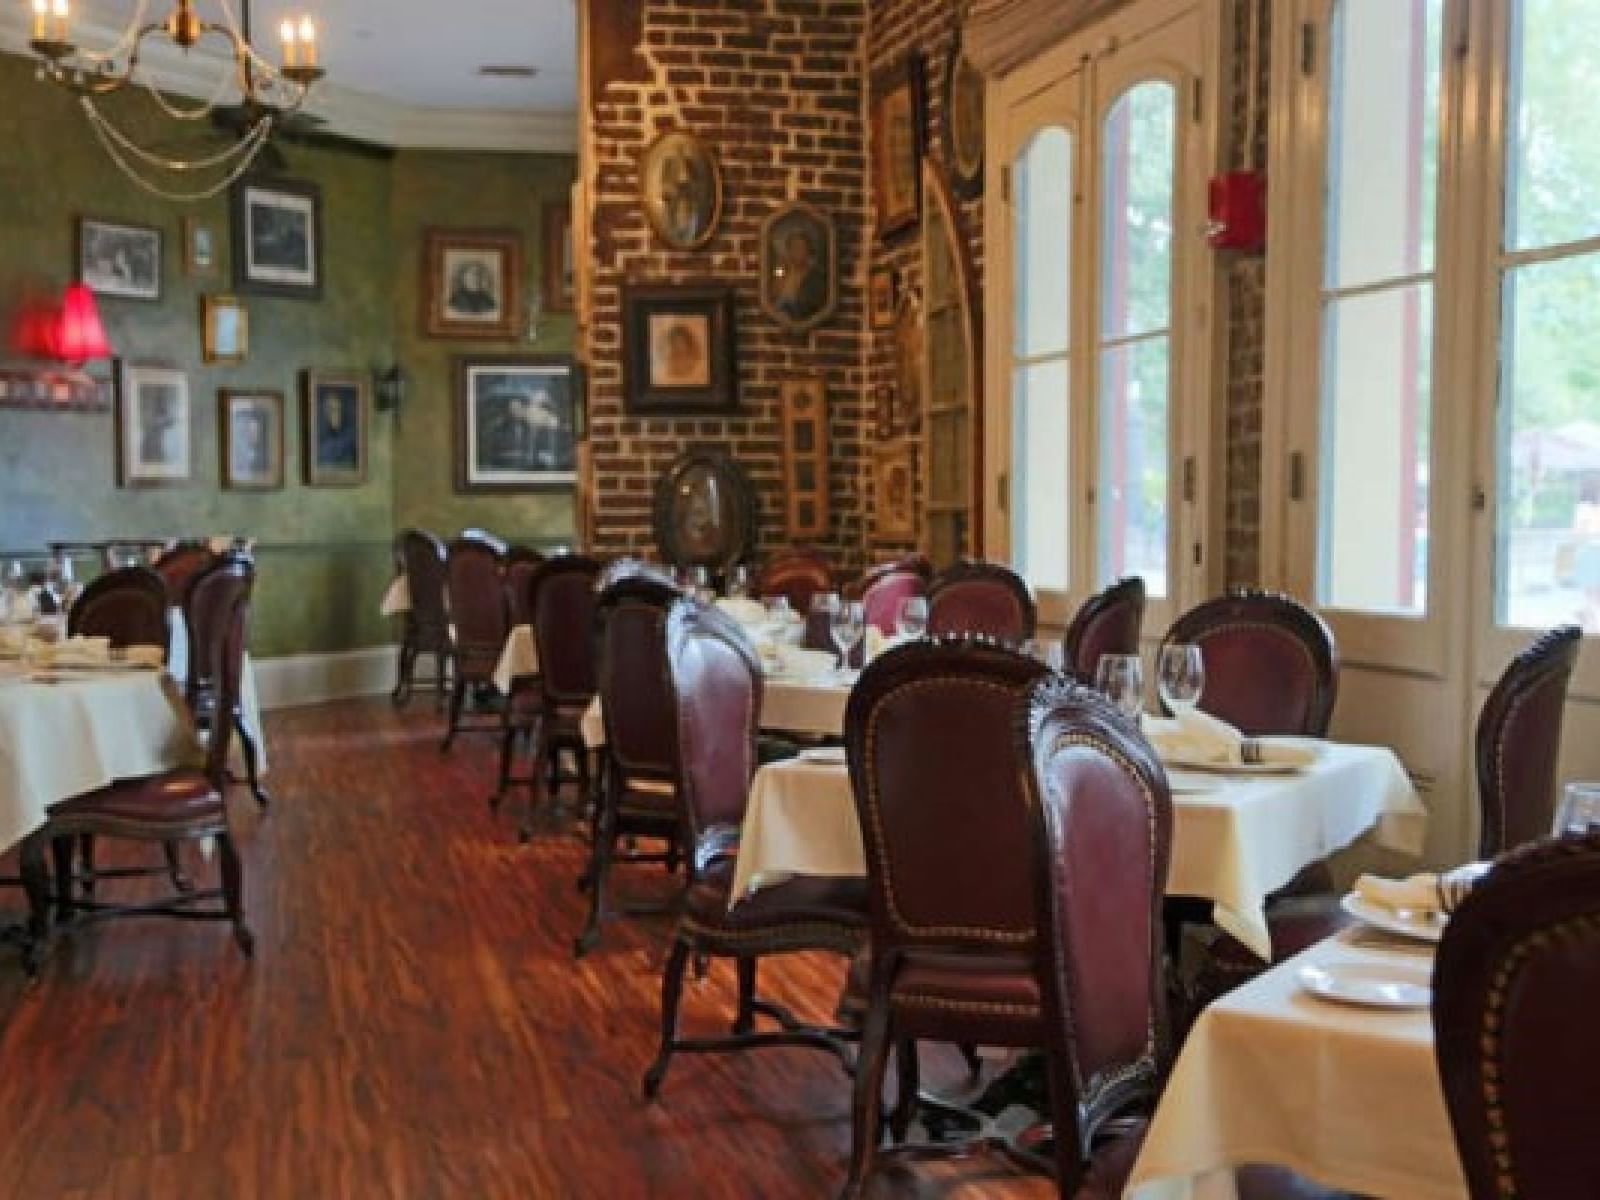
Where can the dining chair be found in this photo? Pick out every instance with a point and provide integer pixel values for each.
(203, 683)
(887, 593)
(715, 687)
(1108, 622)
(915, 564)
(981, 598)
(627, 566)
(1017, 831)
(476, 594)
(799, 573)
(520, 564)
(484, 538)
(178, 565)
(1517, 1053)
(128, 606)
(184, 804)
(1271, 666)
(638, 791)
(420, 558)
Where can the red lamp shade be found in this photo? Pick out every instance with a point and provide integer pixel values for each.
(79, 334)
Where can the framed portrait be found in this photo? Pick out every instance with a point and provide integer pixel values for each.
(560, 280)
(799, 267)
(277, 237)
(963, 122)
(152, 425)
(897, 139)
(225, 329)
(472, 283)
(882, 291)
(680, 186)
(805, 457)
(250, 432)
(704, 512)
(678, 350)
(516, 423)
(118, 259)
(894, 492)
(199, 249)
(333, 422)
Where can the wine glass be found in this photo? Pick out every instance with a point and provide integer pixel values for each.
(739, 582)
(700, 585)
(1120, 678)
(1579, 812)
(848, 626)
(1181, 676)
(912, 619)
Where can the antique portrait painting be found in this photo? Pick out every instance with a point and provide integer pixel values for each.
(799, 267)
(277, 237)
(680, 186)
(472, 283)
(704, 512)
(334, 421)
(896, 129)
(963, 123)
(678, 349)
(251, 437)
(516, 423)
(116, 259)
(152, 425)
(225, 329)
(894, 492)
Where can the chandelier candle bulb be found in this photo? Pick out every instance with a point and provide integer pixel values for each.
(286, 31)
(41, 11)
(308, 41)
(61, 13)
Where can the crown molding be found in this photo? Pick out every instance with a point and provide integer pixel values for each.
(352, 114)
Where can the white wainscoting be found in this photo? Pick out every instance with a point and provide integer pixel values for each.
(298, 679)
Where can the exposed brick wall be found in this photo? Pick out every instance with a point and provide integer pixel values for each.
(776, 88)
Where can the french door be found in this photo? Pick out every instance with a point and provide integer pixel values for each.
(1101, 357)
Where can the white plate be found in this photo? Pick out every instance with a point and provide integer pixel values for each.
(1415, 925)
(823, 754)
(1370, 985)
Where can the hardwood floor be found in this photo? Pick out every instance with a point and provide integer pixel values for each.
(413, 1024)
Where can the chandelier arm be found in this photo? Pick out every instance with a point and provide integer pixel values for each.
(199, 112)
(129, 36)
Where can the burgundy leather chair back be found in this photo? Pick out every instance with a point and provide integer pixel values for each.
(179, 564)
(628, 567)
(1517, 1045)
(129, 606)
(421, 557)
(485, 538)
(1108, 623)
(218, 614)
(564, 629)
(521, 562)
(981, 597)
(635, 693)
(944, 817)
(798, 573)
(1519, 741)
(1271, 665)
(1102, 847)
(915, 564)
(477, 595)
(885, 594)
(716, 691)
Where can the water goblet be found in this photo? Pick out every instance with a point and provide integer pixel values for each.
(1181, 676)
(1579, 811)
(912, 619)
(1120, 678)
(848, 627)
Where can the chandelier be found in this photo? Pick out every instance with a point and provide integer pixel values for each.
(267, 94)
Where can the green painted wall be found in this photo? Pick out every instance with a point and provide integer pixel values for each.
(323, 556)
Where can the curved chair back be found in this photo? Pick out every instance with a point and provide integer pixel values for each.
(798, 573)
(477, 600)
(129, 606)
(916, 564)
(716, 703)
(484, 537)
(218, 614)
(179, 564)
(944, 818)
(520, 562)
(421, 558)
(1271, 665)
(1516, 1050)
(628, 567)
(1102, 846)
(1519, 742)
(563, 601)
(984, 598)
(635, 693)
(1109, 622)
(883, 597)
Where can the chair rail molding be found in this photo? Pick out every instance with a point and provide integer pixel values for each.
(1000, 35)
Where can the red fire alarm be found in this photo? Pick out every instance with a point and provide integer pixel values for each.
(1238, 210)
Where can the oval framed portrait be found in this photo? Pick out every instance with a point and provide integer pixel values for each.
(705, 511)
(963, 122)
(680, 186)
(799, 267)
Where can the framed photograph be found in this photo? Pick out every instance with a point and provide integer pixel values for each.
(799, 267)
(705, 511)
(225, 329)
(199, 249)
(472, 283)
(118, 259)
(680, 186)
(805, 457)
(250, 431)
(894, 492)
(559, 267)
(882, 292)
(152, 425)
(963, 122)
(277, 237)
(516, 423)
(333, 420)
(678, 350)
(896, 121)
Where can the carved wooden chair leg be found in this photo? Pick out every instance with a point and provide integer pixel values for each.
(36, 883)
(86, 857)
(508, 746)
(745, 1020)
(442, 680)
(252, 760)
(233, 893)
(404, 681)
(671, 994)
(908, 1068)
(867, 1099)
(599, 874)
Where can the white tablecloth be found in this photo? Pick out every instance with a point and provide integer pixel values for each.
(396, 598)
(1346, 1096)
(1233, 844)
(518, 660)
(58, 740)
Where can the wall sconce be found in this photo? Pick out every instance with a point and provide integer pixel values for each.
(389, 389)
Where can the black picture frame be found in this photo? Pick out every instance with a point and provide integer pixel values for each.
(557, 375)
(295, 198)
(330, 457)
(897, 121)
(120, 259)
(694, 323)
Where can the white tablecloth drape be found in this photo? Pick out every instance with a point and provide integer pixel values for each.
(396, 598)
(1349, 1097)
(1233, 843)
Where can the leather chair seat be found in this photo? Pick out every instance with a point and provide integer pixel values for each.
(175, 796)
(804, 900)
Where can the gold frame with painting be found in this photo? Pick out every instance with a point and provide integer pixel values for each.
(894, 492)
(224, 329)
(964, 104)
(680, 189)
(259, 467)
(487, 306)
(799, 267)
(897, 143)
(154, 441)
(558, 290)
(678, 350)
(805, 457)
(199, 248)
(327, 445)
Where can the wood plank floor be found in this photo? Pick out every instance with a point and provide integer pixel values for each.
(413, 1024)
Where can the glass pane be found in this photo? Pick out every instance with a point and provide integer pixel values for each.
(1136, 230)
(1042, 179)
(1040, 488)
(1383, 140)
(1133, 498)
(1376, 411)
(1552, 143)
(1547, 567)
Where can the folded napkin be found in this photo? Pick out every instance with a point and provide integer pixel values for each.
(743, 610)
(13, 640)
(877, 641)
(800, 663)
(73, 652)
(153, 657)
(1198, 739)
(1424, 892)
